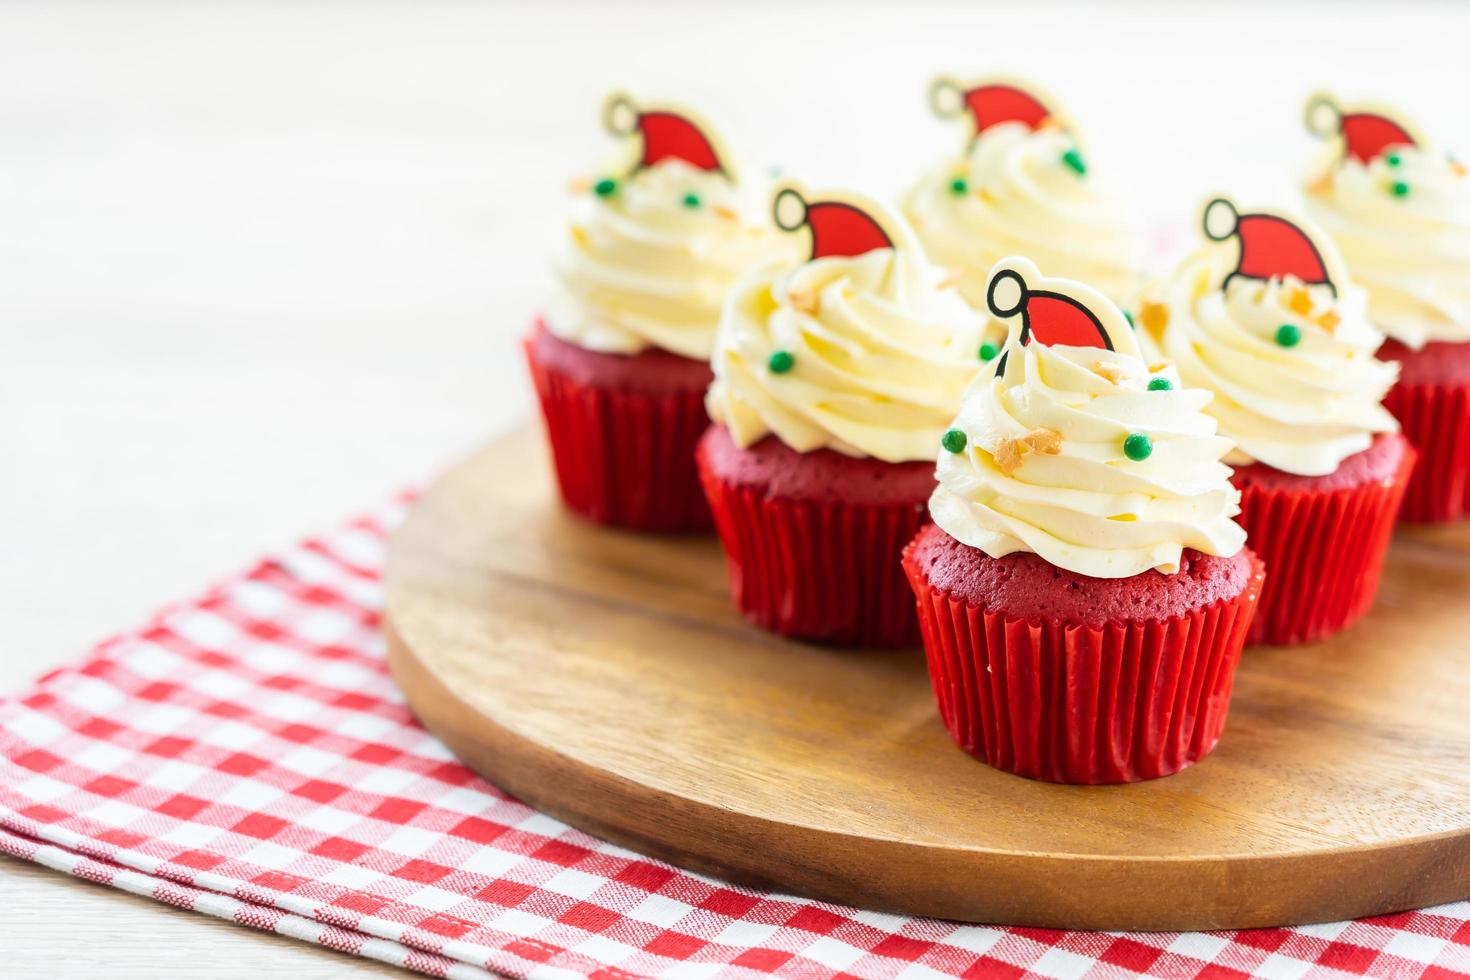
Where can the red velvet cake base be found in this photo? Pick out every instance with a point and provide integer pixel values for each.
(1323, 539)
(1432, 403)
(622, 431)
(814, 539)
(1061, 677)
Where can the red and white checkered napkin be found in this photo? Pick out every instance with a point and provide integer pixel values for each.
(246, 755)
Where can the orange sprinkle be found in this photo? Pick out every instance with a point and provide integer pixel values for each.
(805, 301)
(1008, 453)
(1111, 370)
(1153, 316)
(1300, 301)
(1046, 442)
(1328, 321)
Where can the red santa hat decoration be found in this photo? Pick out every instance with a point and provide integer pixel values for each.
(1054, 312)
(990, 103)
(840, 224)
(1271, 246)
(666, 134)
(1366, 134)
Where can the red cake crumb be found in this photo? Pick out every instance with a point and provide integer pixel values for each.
(652, 371)
(1379, 462)
(779, 471)
(1026, 586)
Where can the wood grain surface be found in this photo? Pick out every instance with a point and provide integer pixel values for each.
(605, 678)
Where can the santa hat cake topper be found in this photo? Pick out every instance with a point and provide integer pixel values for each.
(1054, 312)
(667, 133)
(841, 224)
(1272, 246)
(991, 102)
(1367, 132)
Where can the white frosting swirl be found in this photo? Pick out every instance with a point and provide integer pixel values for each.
(1021, 197)
(880, 356)
(1411, 252)
(1301, 409)
(1085, 505)
(642, 268)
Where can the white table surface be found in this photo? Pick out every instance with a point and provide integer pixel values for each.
(263, 263)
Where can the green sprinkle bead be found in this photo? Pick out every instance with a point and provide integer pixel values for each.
(988, 351)
(955, 441)
(606, 187)
(691, 200)
(1288, 335)
(959, 186)
(1129, 317)
(1393, 159)
(1073, 159)
(1400, 189)
(781, 361)
(1160, 384)
(1138, 447)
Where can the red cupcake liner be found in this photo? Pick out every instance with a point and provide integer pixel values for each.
(623, 457)
(1325, 551)
(1071, 704)
(823, 571)
(1435, 418)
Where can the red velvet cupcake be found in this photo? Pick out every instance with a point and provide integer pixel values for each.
(1083, 593)
(1399, 209)
(1324, 538)
(1432, 403)
(834, 379)
(810, 512)
(1072, 679)
(623, 429)
(620, 361)
(1267, 320)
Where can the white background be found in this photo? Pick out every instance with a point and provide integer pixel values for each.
(263, 263)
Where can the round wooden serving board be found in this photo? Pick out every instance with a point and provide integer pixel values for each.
(604, 678)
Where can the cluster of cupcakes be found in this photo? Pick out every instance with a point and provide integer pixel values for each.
(1098, 488)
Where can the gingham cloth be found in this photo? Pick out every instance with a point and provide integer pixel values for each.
(246, 755)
